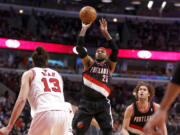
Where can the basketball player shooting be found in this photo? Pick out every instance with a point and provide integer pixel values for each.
(95, 85)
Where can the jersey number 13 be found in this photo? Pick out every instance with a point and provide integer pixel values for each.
(54, 81)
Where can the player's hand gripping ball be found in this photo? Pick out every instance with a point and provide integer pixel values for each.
(88, 14)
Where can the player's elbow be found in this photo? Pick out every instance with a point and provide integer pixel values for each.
(124, 131)
(115, 52)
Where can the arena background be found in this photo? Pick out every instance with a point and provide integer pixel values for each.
(149, 33)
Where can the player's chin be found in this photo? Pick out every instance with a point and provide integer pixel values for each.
(141, 97)
(100, 57)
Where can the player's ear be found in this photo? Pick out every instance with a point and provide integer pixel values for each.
(33, 63)
(46, 62)
(149, 94)
(107, 56)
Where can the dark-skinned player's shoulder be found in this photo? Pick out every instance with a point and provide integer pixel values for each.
(176, 74)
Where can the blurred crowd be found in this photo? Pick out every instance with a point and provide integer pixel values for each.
(46, 27)
(23, 122)
(121, 97)
(115, 7)
(16, 60)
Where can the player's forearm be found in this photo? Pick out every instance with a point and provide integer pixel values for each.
(124, 131)
(171, 93)
(82, 32)
(107, 35)
(173, 89)
(80, 41)
(79, 47)
(165, 130)
(114, 52)
(16, 112)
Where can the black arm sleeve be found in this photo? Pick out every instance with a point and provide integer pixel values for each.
(114, 52)
(176, 75)
(79, 47)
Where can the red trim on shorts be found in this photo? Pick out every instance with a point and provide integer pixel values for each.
(80, 125)
(136, 127)
(91, 79)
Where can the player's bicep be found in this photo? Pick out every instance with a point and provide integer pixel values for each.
(25, 85)
(87, 61)
(157, 107)
(127, 117)
(112, 66)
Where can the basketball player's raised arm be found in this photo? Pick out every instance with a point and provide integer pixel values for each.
(111, 43)
(82, 53)
(126, 120)
(171, 93)
(20, 102)
(164, 130)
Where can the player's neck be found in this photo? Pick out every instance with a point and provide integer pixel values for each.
(143, 103)
(101, 62)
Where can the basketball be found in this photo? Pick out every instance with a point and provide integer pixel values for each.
(88, 14)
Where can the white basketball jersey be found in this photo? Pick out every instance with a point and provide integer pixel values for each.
(70, 117)
(46, 92)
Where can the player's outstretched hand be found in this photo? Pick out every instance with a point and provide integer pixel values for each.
(156, 124)
(86, 26)
(103, 25)
(4, 131)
